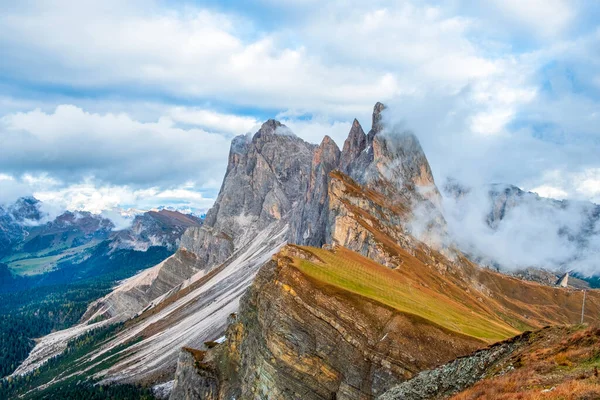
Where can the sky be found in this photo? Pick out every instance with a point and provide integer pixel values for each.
(132, 104)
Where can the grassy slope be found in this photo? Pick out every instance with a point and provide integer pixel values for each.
(350, 271)
(559, 363)
(509, 301)
(27, 264)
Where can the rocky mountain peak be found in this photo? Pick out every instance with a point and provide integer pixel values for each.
(353, 146)
(377, 124)
(400, 158)
(26, 208)
(272, 127)
(328, 147)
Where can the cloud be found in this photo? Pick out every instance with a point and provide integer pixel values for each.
(97, 199)
(12, 189)
(534, 232)
(214, 121)
(71, 144)
(547, 18)
(124, 97)
(180, 53)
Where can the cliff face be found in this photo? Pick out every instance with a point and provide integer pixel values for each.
(390, 299)
(456, 375)
(303, 340)
(388, 163)
(349, 328)
(192, 381)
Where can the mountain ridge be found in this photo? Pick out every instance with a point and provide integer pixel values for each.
(383, 209)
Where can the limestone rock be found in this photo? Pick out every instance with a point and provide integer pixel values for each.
(294, 339)
(456, 375)
(310, 220)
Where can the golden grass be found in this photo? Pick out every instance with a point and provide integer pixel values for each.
(357, 274)
(558, 365)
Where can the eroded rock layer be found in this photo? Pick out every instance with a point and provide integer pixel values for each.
(296, 338)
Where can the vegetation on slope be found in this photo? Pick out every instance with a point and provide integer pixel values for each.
(31, 307)
(372, 225)
(36, 312)
(560, 363)
(69, 373)
(357, 274)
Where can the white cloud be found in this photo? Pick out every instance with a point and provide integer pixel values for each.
(550, 192)
(97, 199)
(548, 18)
(472, 95)
(588, 183)
(213, 121)
(71, 144)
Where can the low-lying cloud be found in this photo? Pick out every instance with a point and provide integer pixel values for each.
(503, 227)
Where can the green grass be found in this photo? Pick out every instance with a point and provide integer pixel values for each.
(34, 266)
(28, 264)
(350, 271)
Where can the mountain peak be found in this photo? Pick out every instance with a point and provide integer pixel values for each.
(328, 142)
(377, 125)
(273, 127)
(353, 145)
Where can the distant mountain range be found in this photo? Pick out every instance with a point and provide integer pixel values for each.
(34, 247)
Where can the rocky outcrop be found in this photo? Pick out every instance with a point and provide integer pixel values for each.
(354, 145)
(390, 164)
(297, 339)
(309, 224)
(193, 380)
(457, 375)
(266, 176)
(558, 362)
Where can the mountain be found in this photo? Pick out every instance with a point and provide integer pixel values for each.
(52, 270)
(318, 273)
(13, 220)
(154, 228)
(36, 247)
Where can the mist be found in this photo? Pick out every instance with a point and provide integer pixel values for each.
(504, 227)
(498, 224)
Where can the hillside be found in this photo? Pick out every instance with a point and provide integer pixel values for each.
(551, 363)
(364, 326)
(55, 269)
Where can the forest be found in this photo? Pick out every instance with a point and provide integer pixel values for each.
(31, 307)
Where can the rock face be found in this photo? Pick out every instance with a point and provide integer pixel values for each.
(457, 375)
(266, 176)
(389, 163)
(191, 380)
(310, 221)
(274, 182)
(553, 363)
(296, 339)
(185, 300)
